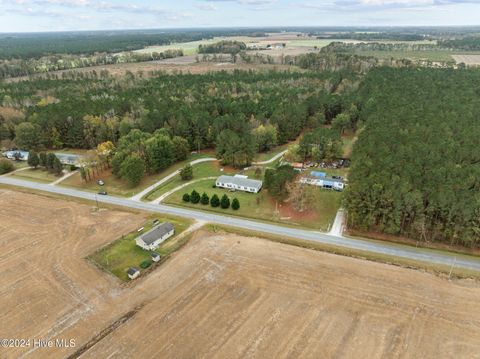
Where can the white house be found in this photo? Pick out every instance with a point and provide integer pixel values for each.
(240, 183)
(17, 155)
(327, 183)
(156, 236)
(133, 273)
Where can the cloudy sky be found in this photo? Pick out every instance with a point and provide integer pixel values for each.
(59, 15)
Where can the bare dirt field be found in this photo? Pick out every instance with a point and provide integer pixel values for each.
(467, 59)
(221, 296)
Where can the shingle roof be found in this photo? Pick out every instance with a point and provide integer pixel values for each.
(132, 270)
(156, 232)
(239, 181)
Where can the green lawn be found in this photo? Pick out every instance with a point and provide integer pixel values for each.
(201, 170)
(430, 55)
(123, 253)
(36, 175)
(262, 206)
(118, 187)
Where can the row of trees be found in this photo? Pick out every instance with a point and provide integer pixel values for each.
(48, 161)
(224, 203)
(416, 165)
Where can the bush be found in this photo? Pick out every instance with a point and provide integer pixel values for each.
(6, 166)
(73, 168)
(215, 201)
(214, 186)
(186, 197)
(205, 199)
(33, 159)
(225, 202)
(145, 264)
(235, 204)
(194, 197)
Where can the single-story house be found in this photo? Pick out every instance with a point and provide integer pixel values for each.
(155, 257)
(133, 272)
(327, 183)
(156, 236)
(240, 183)
(16, 155)
(69, 159)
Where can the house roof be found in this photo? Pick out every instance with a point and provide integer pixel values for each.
(132, 270)
(156, 232)
(240, 181)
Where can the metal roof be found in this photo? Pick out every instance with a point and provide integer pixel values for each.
(132, 270)
(239, 181)
(156, 233)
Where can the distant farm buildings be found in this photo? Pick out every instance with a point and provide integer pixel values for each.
(156, 236)
(239, 183)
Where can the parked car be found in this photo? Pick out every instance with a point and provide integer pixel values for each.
(100, 182)
(103, 193)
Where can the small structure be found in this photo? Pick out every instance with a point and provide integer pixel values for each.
(156, 236)
(156, 257)
(133, 272)
(318, 174)
(297, 166)
(240, 183)
(16, 155)
(69, 159)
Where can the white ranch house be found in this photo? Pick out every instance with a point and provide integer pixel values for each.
(156, 236)
(239, 183)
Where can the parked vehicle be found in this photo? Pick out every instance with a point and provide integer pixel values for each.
(103, 193)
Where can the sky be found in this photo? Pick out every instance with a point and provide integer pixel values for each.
(72, 15)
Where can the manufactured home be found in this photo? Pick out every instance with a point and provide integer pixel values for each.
(327, 183)
(239, 183)
(156, 236)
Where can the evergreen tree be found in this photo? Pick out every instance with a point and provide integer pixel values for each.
(225, 202)
(194, 197)
(235, 204)
(33, 159)
(205, 200)
(215, 201)
(186, 173)
(186, 197)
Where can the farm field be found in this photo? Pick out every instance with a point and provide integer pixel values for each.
(256, 298)
(467, 59)
(227, 296)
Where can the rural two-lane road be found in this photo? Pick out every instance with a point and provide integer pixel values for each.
(404, 252)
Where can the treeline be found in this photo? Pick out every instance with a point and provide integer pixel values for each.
(237, 113)
(378, 46)
(21, 67)
(333, 61)
(416, 164)
(469, 43)
(222, 47)
(377, 36)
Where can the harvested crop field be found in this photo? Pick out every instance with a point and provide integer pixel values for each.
(470, 60)
(220, 296)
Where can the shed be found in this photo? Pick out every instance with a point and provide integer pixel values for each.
(156, 257)
(133, 272)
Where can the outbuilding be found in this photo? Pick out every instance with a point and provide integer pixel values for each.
(156, 236)
(133, 272)
(155, 257)
(239, 183)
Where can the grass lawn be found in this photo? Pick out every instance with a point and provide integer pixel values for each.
(36, 175)
(118, 187)
(200, 170)
(262, 206)
(123, 253)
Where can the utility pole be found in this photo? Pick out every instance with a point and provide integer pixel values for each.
(96, 200)
(451, 268)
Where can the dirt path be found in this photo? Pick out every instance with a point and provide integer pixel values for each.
(167, 194)
(63, 178)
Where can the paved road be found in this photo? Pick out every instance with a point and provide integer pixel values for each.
(357, 244)
(138, 196)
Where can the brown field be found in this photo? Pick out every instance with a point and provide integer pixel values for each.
(470, 60)
(221, 296)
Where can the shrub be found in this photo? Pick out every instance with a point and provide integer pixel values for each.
(225, 202)
(235, 204)
(73, 168)
(205, 199)
(33, 159)
(215, 201)
(145, 264)
(194, 197)
(6, 166)
(186, 197)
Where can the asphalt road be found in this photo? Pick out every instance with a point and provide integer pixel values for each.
(405, 252)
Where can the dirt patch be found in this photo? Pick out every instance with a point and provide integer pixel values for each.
(221, 296)
(470, 60)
